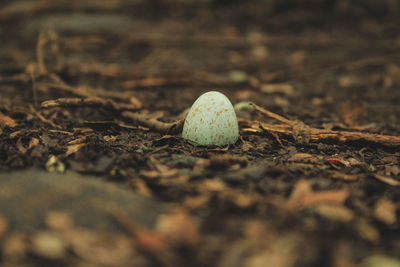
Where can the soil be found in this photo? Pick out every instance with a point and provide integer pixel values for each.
(93, 97)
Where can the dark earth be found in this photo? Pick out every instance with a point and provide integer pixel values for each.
(93, 168)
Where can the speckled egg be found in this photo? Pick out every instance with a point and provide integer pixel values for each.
(211, 121)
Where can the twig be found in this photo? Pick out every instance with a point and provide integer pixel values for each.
(272, 115)
(39, 53)
(34, 89)
(58, 83)
(159, 126)
(151, 82)
(290, 127)
(87, 102)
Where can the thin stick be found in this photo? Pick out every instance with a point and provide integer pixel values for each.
(87, 102)
(39, 53)
(272, 115)
(289, 127)
(159, 126)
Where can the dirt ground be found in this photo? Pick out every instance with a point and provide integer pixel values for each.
(93, 168)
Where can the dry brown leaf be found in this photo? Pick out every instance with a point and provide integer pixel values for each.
(141, 187)
(7, 121)
(59, 220)
(242, 200)
(367, 231)
(196, 202)
(135, 102)
(179, 228)
(77, 141)
(49, 245)
(385, 211)
(351, 111)
(387, 180)
(101, 250)
(335, 212)
(297, 58)
(338, 160)
(300, 190)
(3, 225)
(32, 143)
(345, 177)
(302, 196)
(393, 169)
(254, 229)
(150, 241)
(303, 157)
(15, 246)
(212, 186)
(282, 88)
(156, 174)
(326, 197)
(71, 149)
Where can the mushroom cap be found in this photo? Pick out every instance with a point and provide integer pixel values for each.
(211, 121)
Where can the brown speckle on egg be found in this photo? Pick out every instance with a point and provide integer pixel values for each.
(212, 124)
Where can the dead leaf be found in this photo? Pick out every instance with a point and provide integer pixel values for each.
(335, 212)
(302, 196)
(297, 58)
(393, 169)
(102, 249)
(300, 190)
(7, 121)
(338, 160)
(254, 229)
(344, 176)
(32, 143)
(387, 180)
(77, 141)
(178, 227)
(196, 202)
(48, 245)
(3, 225)
(141, 187)
(281, 101)
(212, 186)
(351, 112)
(245, 94)
(367, 231)
(150, 241)
(385, 211)
(71, 149)
(59, 220)
(135, 102)
(337, 197)
(348, 81)
(303, 157)
(282, 88)
(241, 200)
(15, 246)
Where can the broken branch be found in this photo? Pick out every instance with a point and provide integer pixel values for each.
(290, 127)
(159, 126)
(87, 102)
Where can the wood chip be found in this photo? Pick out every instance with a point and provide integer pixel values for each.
(327, 197)
(7, 121)
(179, 227)
(303, 157)
(71, 149)
(387, 180)
(385, 211)
(282, 88)
(335, 212)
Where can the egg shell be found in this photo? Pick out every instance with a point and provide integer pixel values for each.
(211, 121)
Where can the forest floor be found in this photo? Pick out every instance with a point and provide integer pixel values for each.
(93, 168)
